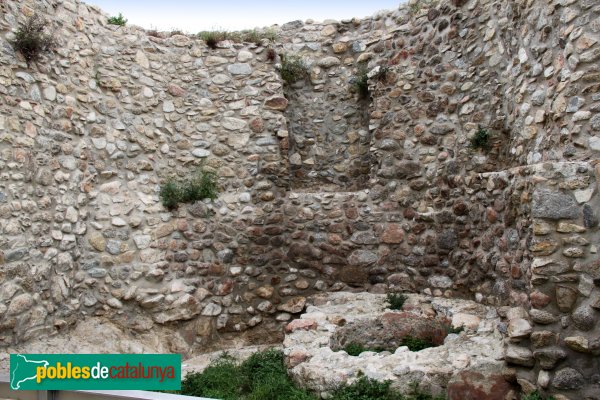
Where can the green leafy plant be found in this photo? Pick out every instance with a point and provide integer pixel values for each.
(416, 344)
(202, 185)
(396, 301)
(536, 396)
(365, 388)
(450, 329)
(218, 380)
(118, 20)
(293, 68)
(355, 349)
(31, 40)
(263, 376)
(360, 82)
(481, 139)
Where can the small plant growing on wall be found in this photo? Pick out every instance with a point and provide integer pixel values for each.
(360, 82)
(481, 139)
(293, 68)
(396, 301)
(271, 54)
(118, 20)
(202, 185)
(31, 40)
(212, 38)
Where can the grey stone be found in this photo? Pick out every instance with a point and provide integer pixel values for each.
(440, 281)
(568, 379)
(519, 356)
(113, 246)
(168, 106)
(590, 220)
(15, 254)
(595, 122)
(542, 317)
(362, 258)
(225, 255)
(239, 69)
(364, 238)
(212, 310)
(20, 304)
(538, 97)
(548, 358)
(97, 272)
(584, 318)
(200, 153)
(329, 62)
(554, 205)
(447, 240)
(441, 129)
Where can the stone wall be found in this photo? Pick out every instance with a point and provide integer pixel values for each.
(319, 189)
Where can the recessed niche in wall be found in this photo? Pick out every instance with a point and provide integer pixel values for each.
(329, 139)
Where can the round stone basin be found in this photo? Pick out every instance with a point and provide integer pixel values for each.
(390, 331)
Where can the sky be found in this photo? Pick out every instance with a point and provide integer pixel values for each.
(193, 16)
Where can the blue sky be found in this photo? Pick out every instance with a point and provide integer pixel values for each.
(194, 16)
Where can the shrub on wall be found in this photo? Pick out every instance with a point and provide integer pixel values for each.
(202, 185)
(481, 139)
(293, 68)
(31, 40)
(118, 20)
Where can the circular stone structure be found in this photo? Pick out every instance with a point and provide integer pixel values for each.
(463, 366)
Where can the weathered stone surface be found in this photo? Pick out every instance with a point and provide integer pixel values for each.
(293, 305)
(519, 356)
(548, 358)
(554, 205)
(568, 379)
(565, 298)
(584, 318)
(20, 304)
(362, 258)
(301, 324)
(519, 328)
(276, 103)
(482, 383)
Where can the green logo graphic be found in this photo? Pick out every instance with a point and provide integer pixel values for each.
(95, 371)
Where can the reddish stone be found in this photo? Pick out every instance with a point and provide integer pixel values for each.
(224, 288)
(492, 215)
(257, 125)
(175, 90)
(353, 275)
(392, 234)
(478, 385)
(304, 324)
(539, 299)
(296, 357)
(352, 213)
(182, 225)
(276, 103)
(334, 238)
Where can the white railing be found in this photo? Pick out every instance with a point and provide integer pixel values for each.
(7, 393)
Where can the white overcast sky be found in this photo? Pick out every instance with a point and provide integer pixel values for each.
(193, 16)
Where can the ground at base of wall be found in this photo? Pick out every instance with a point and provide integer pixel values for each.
(467, 365)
